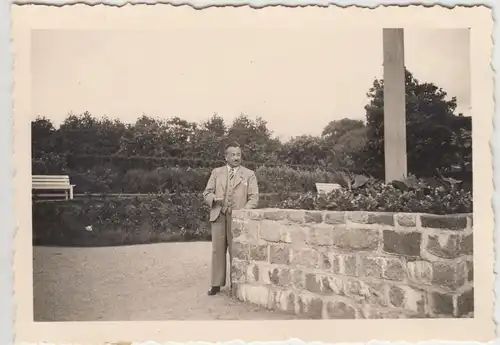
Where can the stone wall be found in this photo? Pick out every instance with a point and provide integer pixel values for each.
(354, 264)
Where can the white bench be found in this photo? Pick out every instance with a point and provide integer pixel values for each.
(325, 188)
(52, 182)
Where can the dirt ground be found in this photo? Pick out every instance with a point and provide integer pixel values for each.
(166, 281)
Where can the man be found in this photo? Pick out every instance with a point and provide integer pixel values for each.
(229, 187)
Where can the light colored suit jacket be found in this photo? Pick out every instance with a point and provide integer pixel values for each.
(245, 191)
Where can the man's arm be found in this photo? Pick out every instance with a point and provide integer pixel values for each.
(209, 192)
(253, 192)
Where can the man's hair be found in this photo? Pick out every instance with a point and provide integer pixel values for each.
(232, 144)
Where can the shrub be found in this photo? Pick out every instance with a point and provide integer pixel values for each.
(119, 221)
(122, 221)
(439, 196)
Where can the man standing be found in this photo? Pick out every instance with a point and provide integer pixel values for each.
(229, 187)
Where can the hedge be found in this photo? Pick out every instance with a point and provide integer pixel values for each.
(184, 217)
(125, 221)
(106, 179)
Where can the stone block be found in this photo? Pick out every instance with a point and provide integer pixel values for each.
(465, 303)
(239, 214)
(467, 245)
(441, 304)
(239, 251)
(271, 231)
(295, 216)
(250, 232)
(235, 291)
(449, 275)
(310, 307)
(470, 270)
(298, 279)
(358, 217)
(305, 257)
(258, 252)
(449, 222)
(255, 294)
(394, 269)
(407, 298)
(384, 314)
(239, 271)
(345, 264)
(253, 214)
(313, 284)
(366, 292)
(237, 226)
(334, 217)
(406, 220)
(396, 296)
(280, 276)
(264, 275)
(372, 267)
(320, 236)
(331, 285)
(273, 299)
(420, 271)
(313, 217)
(275, 215)
(325, 261)
(253, 274)
(340, 310)
(279, 255)
(295, 235)
(402, 243)
(286, 301)
(355, 239)
(379, 218)
(444, 245)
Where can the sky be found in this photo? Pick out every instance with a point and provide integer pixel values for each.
(296, 80)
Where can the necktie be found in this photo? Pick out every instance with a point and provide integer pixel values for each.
(231, 174)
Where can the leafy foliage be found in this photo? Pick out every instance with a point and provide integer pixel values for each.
(437, 196)
(437, 139)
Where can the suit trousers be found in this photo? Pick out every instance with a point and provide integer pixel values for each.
(221, 245)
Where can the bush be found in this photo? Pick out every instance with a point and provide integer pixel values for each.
(419, 196)
(123, 221)
(120, 221)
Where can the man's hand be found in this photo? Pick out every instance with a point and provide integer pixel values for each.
(218, 200)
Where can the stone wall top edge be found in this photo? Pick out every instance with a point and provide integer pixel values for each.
(241, 213)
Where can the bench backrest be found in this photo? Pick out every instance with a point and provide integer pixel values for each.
(50, 180)
(324, 188)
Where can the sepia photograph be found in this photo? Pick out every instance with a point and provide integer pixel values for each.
(201, 173)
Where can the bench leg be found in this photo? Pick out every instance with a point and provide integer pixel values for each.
(71, 193)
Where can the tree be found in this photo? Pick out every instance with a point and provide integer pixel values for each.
(334, 130)
(306, 150)
(44, 157)
(432, 128)
(255, 138)
(209, 139)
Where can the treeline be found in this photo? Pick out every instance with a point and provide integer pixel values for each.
(103, 153)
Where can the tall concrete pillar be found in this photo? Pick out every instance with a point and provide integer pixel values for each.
(394, 105)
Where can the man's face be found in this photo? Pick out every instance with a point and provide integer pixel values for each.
(233, 156)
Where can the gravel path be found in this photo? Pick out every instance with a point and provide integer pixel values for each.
(166, 281)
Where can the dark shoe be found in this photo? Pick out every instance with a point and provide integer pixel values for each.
(214, 290)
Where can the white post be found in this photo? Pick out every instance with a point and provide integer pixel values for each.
(394, 105)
